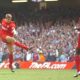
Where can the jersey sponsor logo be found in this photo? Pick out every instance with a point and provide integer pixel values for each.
(4, 28)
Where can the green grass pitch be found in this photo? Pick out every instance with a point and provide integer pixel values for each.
(26, 74)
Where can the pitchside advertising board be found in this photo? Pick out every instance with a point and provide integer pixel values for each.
(40, 65)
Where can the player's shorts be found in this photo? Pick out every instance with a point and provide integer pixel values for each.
(3, 35)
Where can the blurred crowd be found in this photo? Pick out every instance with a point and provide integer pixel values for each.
(51, 41)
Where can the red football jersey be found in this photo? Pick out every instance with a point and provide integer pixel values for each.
(7, 28)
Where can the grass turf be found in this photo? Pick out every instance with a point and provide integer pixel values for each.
(23, 74)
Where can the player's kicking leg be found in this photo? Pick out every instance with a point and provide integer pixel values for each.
(10, 42)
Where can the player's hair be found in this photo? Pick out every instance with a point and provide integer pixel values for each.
(8, 15)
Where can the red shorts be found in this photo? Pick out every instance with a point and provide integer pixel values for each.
(3, 35)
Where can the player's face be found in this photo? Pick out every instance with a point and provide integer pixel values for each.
(8, 19)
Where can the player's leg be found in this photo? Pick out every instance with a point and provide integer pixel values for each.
(10, 42)
(17, 43)
(10, 48)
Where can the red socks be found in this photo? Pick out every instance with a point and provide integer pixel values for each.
(10, 61)
(21, 45)
(77, 61)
